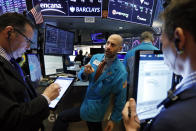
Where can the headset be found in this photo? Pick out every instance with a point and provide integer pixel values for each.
(176, 42)
(9, 34)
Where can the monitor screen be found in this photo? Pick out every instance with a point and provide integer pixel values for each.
(58, 41)
(157, 42)
(98, 38)
(64, 84)
(152, 80)
(12, 6)
(127, 44)
(135, 41)
(70, 8)
(121, 56)
(72, 58)
(35, 40)
(34, 67)
(53, 64)
(136, 11)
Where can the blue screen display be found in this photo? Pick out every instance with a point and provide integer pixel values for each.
(136, 11)
(70, 8)
(34, 67)
(12, 6)
(58, 41)
(98, 38)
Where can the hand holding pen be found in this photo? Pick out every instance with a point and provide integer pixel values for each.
(130, 117)
(88, 69)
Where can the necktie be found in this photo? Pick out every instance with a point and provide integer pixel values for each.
(100, 69)
(18, 68)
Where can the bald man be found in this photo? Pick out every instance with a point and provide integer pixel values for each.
(107, 80)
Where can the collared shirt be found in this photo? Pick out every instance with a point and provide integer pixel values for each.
(109, 62)
(186, 81)
(4, 54)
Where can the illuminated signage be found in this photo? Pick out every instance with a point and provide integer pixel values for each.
(136, 11)
(70, 7)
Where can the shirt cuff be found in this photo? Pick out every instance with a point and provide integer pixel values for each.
(48, 100)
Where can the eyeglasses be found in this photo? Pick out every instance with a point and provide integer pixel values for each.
(27, 39)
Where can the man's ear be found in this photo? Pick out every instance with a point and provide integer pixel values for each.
(120, 48)
(179, 38)
(9, 30)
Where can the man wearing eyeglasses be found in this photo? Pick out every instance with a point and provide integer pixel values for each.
(21, 108)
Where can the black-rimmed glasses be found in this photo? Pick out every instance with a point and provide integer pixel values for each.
(27, 39)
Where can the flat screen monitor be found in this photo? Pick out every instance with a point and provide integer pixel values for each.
(53, 64)
(127, 44)
(12, 6)
(34, 67)
(152, 80)
(121, 56)
(35, 40)
(64, 84)
(70, 8)
(98, 38)
(136, 11)
(157, 42)
(72, 58)
(58, 41)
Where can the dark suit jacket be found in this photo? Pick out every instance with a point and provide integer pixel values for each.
(20, 109)
(180, 116)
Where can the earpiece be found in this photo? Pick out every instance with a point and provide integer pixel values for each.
(9, 34)
(176, 42)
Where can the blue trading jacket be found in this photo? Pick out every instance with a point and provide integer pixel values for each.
(98, 93)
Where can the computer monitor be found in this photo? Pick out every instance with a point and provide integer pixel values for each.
(35, 40)
(53, 64)
(64, 84)
(152, 80)
(72, 58)
(121, 56)
(34, 67)
(12, 6)
(58, 41)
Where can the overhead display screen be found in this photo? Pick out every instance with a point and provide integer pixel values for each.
(12, 6)
(136, 11)
(71, 8)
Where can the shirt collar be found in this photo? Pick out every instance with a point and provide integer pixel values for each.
(187, 80)
(4, 54)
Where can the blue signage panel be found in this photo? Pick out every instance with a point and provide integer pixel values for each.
(136, 11)
(70, 8)
(49, 7)
(84, 8)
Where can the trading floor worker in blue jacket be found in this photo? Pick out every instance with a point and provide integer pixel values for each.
(110, 83)
(146, 39)
(179, 48)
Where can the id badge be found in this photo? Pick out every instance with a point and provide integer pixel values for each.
(96, 62)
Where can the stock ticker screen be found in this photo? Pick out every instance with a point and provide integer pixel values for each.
(58, 41)
(136, 11)
(12, 6)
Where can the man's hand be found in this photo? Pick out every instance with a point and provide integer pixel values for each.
(88, 69)
(109, 126)
(130, 118)
(52, 91)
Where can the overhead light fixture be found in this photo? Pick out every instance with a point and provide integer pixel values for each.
(120, 28)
